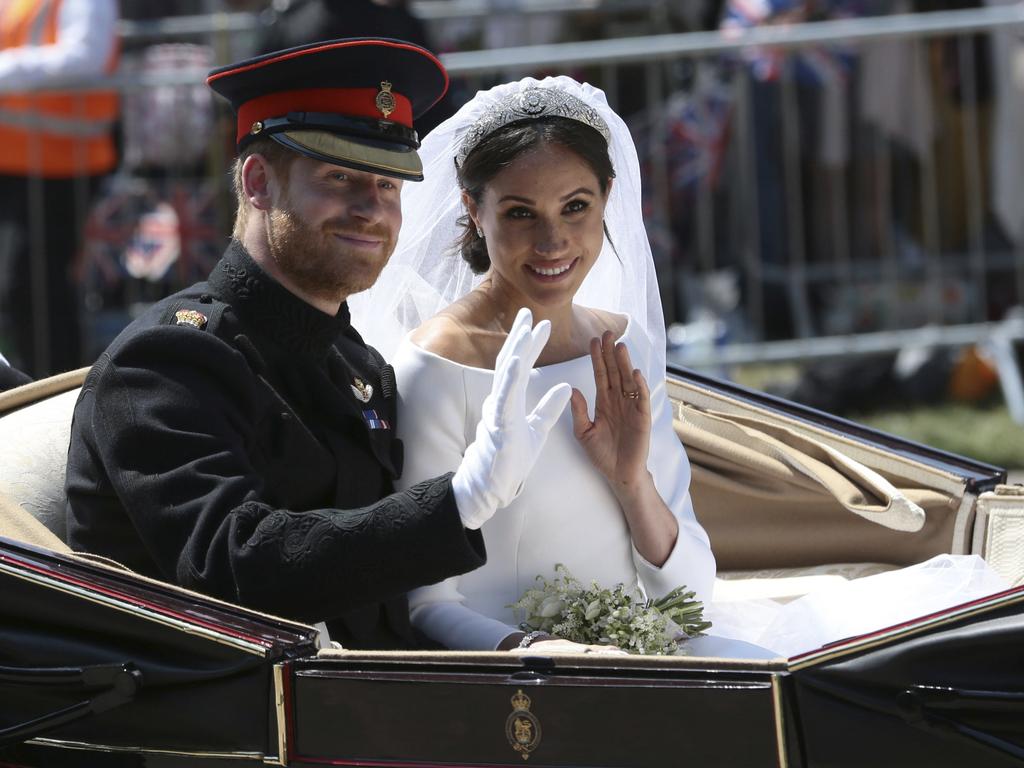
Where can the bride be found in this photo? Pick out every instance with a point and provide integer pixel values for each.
(537, 184)
(532, 200)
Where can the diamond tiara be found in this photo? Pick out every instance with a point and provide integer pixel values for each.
(530, 104)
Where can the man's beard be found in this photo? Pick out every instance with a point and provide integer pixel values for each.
(319, 264)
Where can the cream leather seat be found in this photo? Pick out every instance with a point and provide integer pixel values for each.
(35, 430)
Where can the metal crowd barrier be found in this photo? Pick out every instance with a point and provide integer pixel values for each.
(765, 250)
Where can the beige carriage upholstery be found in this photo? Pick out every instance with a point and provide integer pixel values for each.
(774, 491)
(18, 524)
(35, 429)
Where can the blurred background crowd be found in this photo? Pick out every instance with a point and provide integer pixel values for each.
(831, 186)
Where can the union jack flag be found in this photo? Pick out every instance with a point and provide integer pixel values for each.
(816, 64)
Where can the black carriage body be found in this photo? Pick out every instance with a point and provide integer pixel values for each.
(177, 679)
(502, 711)
(145, 667)
(221, 685)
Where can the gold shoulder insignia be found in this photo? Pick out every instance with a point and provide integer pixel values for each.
(190, 317)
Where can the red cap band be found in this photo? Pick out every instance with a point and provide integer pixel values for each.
(353, 102)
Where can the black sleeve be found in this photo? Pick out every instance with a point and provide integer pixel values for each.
(173, 418)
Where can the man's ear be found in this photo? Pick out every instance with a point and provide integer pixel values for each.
(259, 182)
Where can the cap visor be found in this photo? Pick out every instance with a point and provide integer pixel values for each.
(400, 162)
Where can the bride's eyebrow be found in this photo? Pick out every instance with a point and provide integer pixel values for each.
(530, 201)
(580, 191)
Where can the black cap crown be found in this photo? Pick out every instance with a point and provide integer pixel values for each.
(348, 102)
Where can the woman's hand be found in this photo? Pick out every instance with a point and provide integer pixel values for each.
(617, 441)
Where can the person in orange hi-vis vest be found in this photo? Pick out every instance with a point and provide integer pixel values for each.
(54, 147)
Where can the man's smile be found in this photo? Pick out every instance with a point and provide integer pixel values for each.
(359, 241)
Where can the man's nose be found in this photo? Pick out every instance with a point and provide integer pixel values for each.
(366, 203)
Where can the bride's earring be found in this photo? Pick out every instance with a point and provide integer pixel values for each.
(480, 232)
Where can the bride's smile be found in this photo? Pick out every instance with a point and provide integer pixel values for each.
(551, 272)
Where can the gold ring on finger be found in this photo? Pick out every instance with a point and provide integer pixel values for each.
(634, 395)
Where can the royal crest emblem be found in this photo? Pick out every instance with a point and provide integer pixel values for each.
(362, 390)
(386, 99)
(522, 728)
(190, 317)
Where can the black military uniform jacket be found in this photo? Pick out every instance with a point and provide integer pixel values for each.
(239, 442)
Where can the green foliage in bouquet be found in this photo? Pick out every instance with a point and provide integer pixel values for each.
(562, 606)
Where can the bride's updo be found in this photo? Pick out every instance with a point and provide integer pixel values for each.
(500, 149)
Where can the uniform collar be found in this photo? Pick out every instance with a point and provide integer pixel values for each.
(273, 309)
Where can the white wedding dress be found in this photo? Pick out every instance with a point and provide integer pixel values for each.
(565, 514)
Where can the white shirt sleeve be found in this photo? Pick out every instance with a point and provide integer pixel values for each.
(432, 416)
(691, 562)
(86, 35)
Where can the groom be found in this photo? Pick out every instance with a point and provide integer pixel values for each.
(238, 438)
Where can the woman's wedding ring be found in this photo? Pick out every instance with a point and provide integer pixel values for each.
(631, 395)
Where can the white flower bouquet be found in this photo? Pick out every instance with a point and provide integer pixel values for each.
(562, 606)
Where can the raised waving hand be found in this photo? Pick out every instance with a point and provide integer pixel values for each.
(508, 438)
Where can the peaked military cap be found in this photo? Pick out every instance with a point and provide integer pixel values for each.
(348, 102)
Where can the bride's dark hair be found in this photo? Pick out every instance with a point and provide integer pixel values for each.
(501, 148)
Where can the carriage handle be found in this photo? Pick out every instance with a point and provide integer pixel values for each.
(117, 684)
(926, 706)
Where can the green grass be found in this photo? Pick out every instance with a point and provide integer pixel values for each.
(983, 431)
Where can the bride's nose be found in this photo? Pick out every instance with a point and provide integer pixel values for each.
(551, 240)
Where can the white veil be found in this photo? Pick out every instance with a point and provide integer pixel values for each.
(426, 272)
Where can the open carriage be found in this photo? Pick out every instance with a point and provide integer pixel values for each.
(99, 666)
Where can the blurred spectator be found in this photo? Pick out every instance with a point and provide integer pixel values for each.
(797, 100)
(56, 145)
(158, 224)
(297, 22)
(10, 377)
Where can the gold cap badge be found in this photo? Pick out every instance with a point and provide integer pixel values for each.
(190, 317)
(385, 99)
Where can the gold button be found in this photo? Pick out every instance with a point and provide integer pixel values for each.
(256, 128)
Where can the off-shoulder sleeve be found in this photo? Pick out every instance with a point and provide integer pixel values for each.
(439, 613)
(431, 414)
(432, 423)
(691, 562)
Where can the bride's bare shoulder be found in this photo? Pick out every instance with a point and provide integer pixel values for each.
(601, 320)
(442, 335)
(455, 334)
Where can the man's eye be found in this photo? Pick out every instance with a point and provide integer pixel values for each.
(384, 184)
(339, 176)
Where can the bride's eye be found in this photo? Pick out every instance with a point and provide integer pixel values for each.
(518, 213)
(576, 206)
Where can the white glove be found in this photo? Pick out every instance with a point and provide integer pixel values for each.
(508, 440)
